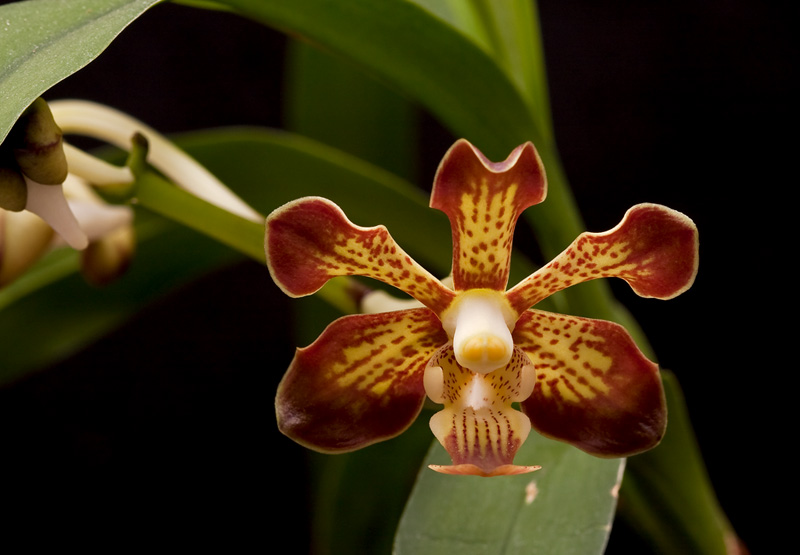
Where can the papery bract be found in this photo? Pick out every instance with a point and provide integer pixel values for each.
(475, 347)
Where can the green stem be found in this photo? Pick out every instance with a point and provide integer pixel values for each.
(162, 197)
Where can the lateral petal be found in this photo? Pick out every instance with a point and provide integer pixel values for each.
(654, 249)
(310, 240)
(483, 201)
(360, 382)
(478, 427)
(594, 388)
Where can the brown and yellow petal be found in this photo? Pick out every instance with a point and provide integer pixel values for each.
(310, 240)
(483, 201)
(654, 249)
(360, 382)
(594, 388)
(478, 426)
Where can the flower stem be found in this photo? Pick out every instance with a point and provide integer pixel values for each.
(158, 195)
(162, 197)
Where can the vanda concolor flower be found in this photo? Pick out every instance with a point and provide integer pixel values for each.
(477, 348)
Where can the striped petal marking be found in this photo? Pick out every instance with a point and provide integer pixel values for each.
(653, 248)
(360, 382)
(594, 388)
(310, 240)
(478, 427)
(483, 201)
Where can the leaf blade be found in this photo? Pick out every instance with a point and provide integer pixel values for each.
(566, 507)
(420, 54)
(45, 41)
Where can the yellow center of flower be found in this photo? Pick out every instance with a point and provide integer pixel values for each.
(480, 323)
(484, 349)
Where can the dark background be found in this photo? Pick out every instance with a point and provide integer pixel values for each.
(680, 103)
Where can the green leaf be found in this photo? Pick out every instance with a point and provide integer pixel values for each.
(566, 507)
(373, 484)
(667, 494)
(45, 41)
(509, 32)
(462, 15)
(517, 45)
(333, 102)
(419, 54)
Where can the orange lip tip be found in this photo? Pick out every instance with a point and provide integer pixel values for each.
(473, 470)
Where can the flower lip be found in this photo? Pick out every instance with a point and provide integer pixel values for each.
(480, 323)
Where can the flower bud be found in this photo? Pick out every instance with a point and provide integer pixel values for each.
(108, 258)
(13, 191)
(24, 238)
(38, 146)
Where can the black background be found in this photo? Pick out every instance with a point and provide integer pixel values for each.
(680, 103)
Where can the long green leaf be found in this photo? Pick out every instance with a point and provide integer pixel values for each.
(418, 53)
(331, 101)
(44, 41)
(566, 507)
(514, 28)
(667, 493)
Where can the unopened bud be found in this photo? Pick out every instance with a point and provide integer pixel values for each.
(24, 238)
(108, 258)
(38, 147)
(13, 191)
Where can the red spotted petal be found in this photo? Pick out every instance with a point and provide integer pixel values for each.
(483, 200)
(478, 426)
(654, 249)
(310, 240)
(360, 382)
(594, 388)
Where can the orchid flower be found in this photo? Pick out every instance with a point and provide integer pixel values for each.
(476, 347)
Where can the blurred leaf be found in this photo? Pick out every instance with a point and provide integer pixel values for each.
(509, 32)
(566, 507)
(667, 495)
(517, 43)
(64, 314)
(419, 54)
(463, 15)
(333, 102)
(45, 41)
(373, 485)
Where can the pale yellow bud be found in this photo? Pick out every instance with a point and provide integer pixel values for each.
(24, 238)
(107, 258)
(13, 190)
(38, 147)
